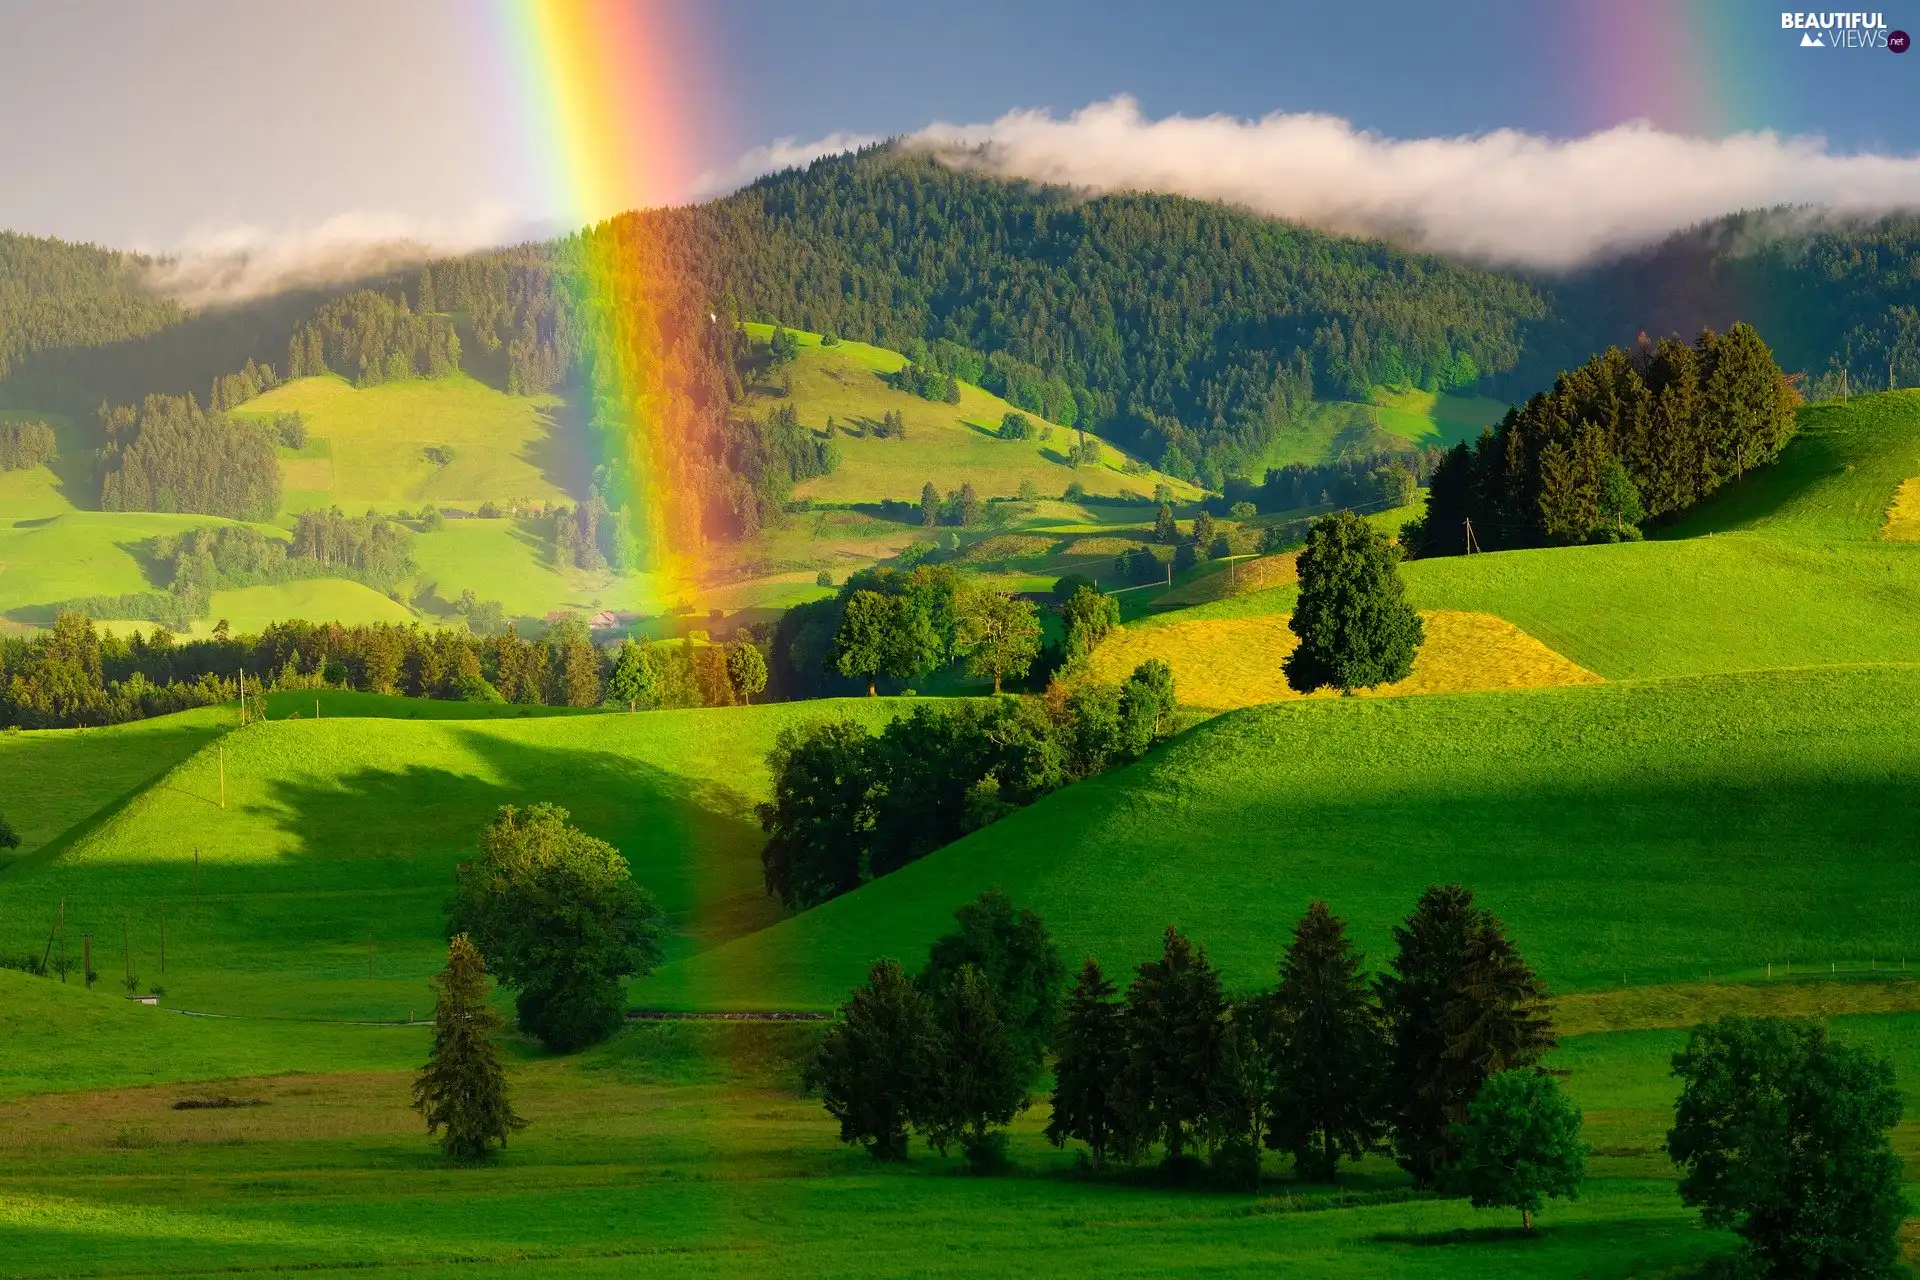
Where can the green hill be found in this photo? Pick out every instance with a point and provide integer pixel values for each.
(1757, 817)
(344, 832)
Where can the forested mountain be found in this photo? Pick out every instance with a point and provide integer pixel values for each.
(1188, 331)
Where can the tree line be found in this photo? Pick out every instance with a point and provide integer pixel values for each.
(368, 338)
(850, 805)
(74, 676)
(1624, 438)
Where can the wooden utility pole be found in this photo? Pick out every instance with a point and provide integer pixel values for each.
(1473, 543)
(86, 959)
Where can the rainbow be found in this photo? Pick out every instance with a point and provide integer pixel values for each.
(613, 97)
(1687, 68)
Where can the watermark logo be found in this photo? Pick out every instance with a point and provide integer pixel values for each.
(1844, 31)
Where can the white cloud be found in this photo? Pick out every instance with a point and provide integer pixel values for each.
(781, 153)
(1503, 197)
(233, 263)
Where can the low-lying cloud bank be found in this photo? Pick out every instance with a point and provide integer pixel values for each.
(1505, 197)
(232, 264)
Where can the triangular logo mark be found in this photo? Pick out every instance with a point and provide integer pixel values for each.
(1812, 41)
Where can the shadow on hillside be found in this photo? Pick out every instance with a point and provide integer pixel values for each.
(694, 845)
(563, 454)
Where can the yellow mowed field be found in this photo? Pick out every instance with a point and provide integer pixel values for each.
(1225, 663)
(1903, 517)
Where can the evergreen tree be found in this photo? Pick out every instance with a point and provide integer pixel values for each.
(1520, 1146)
(970, 510)
(463, 1088)
(1013, 952)
(874, 1064)
(1356, 629)
(1164, 529)
(929, 505)
(1328, 1046)
(1781, 1135)
(1088, 1071)
(1460, 1006)
(1203, 535)
(1175, 1021)
(979, 1073)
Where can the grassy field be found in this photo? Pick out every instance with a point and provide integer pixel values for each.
(1787, 799)
(1224, 663)
(505, 447)
(688, 1150)
(947, 444)
(48, 558)
(342, 835)
(1331, 430)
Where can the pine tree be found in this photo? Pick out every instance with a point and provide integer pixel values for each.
(1087, 1072)
(1175, 1021)
(978, 1075)
(1460, 1005)
(1327, 1048)
(1164, 529)
(874, 1063)
(1203, 535)
(463, 1088)
(929, 505)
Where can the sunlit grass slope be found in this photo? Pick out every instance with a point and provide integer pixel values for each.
(505, 447)
(55, 782)
(948, 444)
(1223, 663)
(49, 558)
(1331, 430)
(345, 832)
(1755, 817)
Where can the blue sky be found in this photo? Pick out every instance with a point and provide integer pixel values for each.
(154, 124)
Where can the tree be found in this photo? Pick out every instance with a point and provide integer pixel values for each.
(998, 635)
(1175, 1021)
(1014, 954)
(1203, 534)
(1327, 1044)
(1147, 706)
(968, 509)
(1781, 1134)
(1164, 529)
(1460, 1006)
(884, 635)
(1088, 1069)
(463, 1087)
(819, 823)
(1087, 618)
(746, 669)
(1016, 426)
(980, 1073)
(1356, 629)
(9, 839)
(783, 346)
(929, 505)
(635, 678)
(873, 1066)
(559, 912)
(1520, 1146)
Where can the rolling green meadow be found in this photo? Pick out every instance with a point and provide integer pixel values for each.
(1728, 821)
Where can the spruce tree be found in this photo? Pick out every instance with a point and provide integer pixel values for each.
(1203, 535)
(463, 1088)
(1175, 1022)
(1356, 629)
(929, 505)
(874, 1063)
(1460, 1005)
(1016, 956)
(979, 1074)
(1327, 1047)
(1164, 529)
(1092, 1055)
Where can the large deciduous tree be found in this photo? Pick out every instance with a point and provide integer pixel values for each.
(1782, 1135)
(997, 634)
(820, 821)
(1356, 629)
(560, 915)
(1012, 951)
(1520, 1146)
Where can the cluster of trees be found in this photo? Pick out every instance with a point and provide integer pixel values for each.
(589, 537)
(170, 455)
(1434, 1060)
(1384, 480)
(768, 458)
(26, 444)
(962, 507)
(905, 626)
(369, 337)
(1623, 438)
(74, 676)
(55, 295)
(928, 384)
(850, 805)
(231, 389)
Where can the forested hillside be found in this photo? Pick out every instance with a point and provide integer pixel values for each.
(55, 294)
